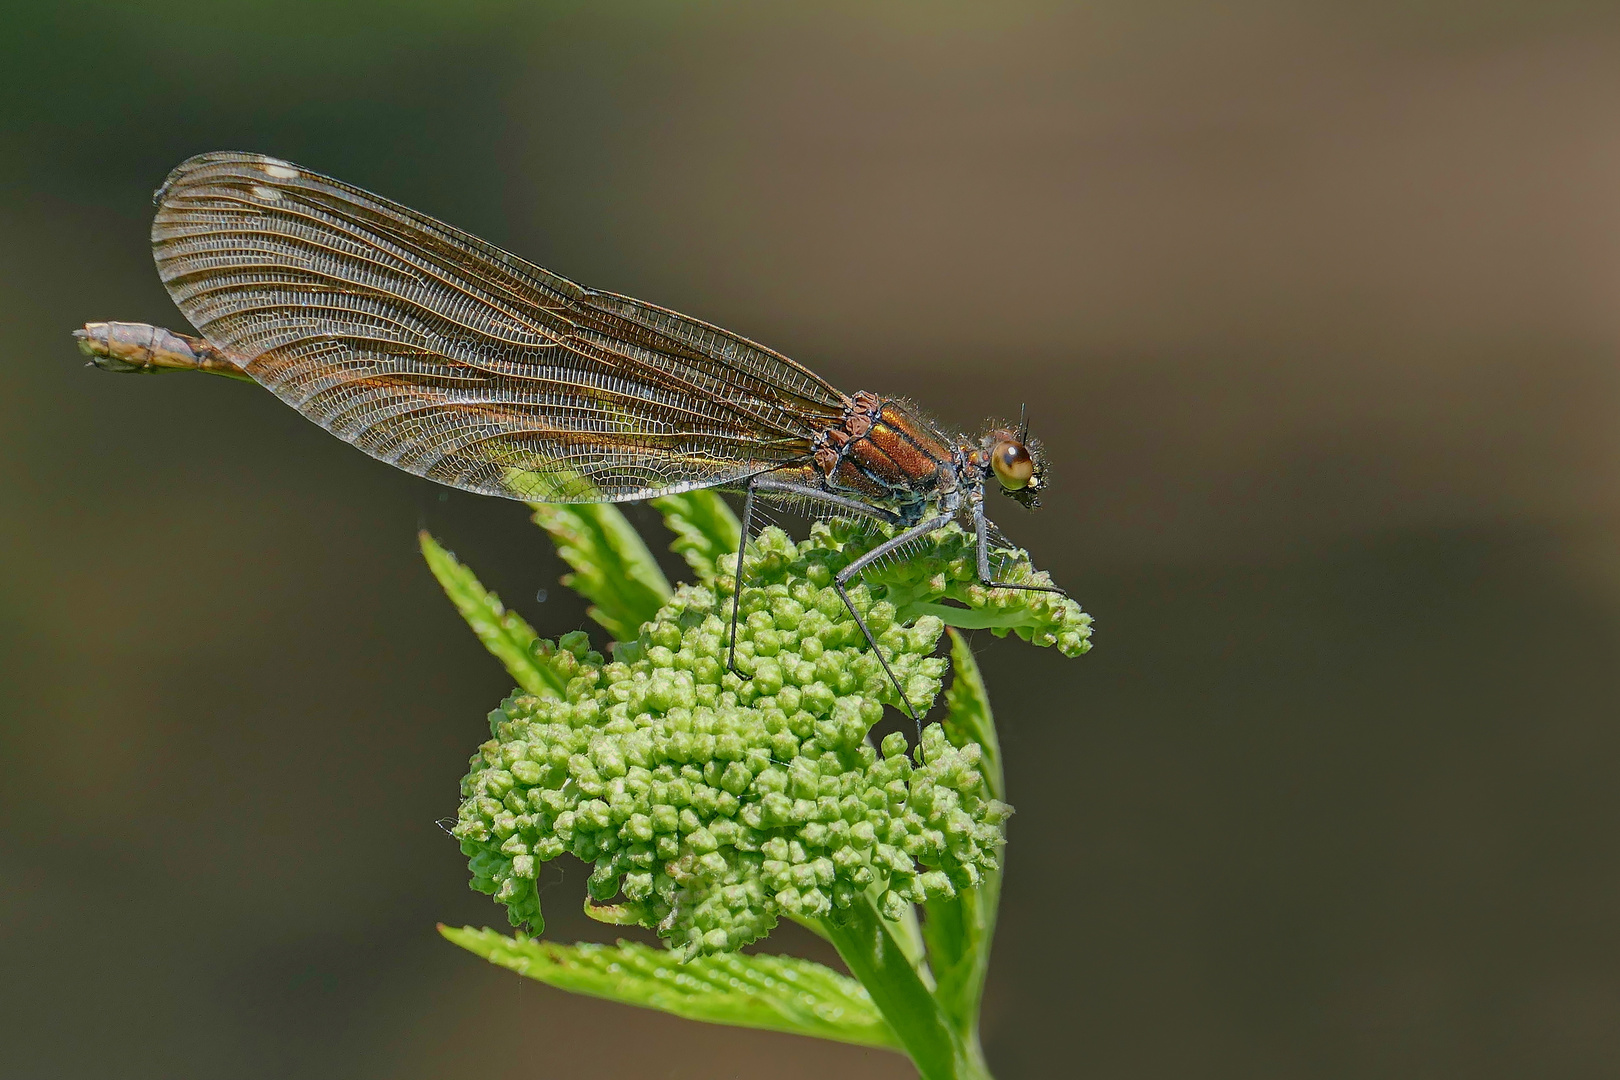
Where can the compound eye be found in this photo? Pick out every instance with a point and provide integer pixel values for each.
(1014, 467)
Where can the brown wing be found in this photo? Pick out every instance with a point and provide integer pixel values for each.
(445, 356)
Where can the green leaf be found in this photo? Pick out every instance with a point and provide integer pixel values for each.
(612, 567)
(504, 633)
(704, 528)
(958, 929)
(776, 993)
(969, 718)
(631, 914)
(931, 1038)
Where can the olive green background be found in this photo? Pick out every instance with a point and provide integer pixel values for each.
(1314, 305)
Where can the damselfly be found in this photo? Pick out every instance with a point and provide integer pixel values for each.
(452, 359)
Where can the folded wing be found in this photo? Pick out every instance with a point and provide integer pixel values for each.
(452, 359)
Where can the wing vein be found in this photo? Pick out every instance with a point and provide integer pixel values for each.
(433, 350)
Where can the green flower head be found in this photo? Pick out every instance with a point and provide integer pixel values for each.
(710, 804)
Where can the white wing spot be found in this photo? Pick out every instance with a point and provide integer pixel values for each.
(266, 193)
(280, 169)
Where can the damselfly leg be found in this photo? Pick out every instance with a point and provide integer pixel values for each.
(843, 577)
(981, 530)
(805, 491)
(847, 574)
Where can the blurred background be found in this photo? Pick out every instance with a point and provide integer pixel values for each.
(1314, 306)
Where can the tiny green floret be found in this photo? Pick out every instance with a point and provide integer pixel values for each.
(711, 804)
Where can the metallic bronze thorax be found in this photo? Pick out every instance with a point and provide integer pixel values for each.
(883, 451)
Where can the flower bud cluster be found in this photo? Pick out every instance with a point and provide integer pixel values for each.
(712, 803)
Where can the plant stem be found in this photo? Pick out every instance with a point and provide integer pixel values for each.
(935, 1044)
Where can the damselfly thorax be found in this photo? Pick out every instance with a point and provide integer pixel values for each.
(448, 357)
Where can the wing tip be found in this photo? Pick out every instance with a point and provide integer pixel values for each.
(273, 167)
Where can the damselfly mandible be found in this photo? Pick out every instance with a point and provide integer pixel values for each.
(452, 359)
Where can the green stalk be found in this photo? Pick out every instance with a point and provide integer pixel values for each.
(933, 1042)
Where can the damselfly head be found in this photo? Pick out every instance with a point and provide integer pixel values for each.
(1018, 463)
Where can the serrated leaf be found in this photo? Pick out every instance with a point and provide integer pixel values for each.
(958, 929)
(612, 567)
(775, 993)
(504, 633)
(704, 528)
(968, 718)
